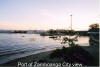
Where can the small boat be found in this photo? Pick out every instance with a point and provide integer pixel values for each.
(23, 36)
(53, 37)
(32, 39)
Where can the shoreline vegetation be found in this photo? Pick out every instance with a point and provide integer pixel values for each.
(85, 55)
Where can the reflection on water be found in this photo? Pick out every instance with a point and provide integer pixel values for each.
(18, 45)
(83, 41)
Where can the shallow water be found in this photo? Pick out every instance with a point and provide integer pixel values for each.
(13, 46)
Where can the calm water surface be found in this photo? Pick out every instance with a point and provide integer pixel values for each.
(14, 46)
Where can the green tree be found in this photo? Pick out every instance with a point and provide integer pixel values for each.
(94, 27)
(70, 41)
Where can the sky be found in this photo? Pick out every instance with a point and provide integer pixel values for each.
(48, 14)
